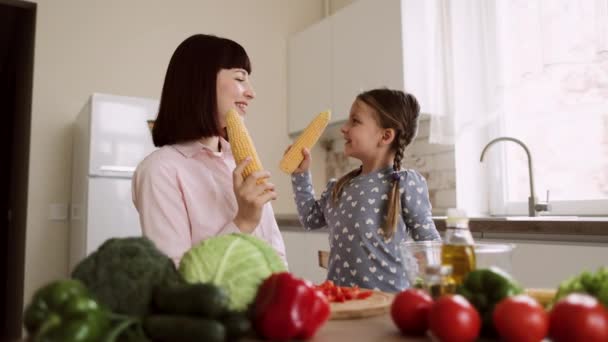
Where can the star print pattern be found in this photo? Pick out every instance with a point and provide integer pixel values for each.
(360, 253)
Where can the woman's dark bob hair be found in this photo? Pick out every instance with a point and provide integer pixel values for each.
(188, 103)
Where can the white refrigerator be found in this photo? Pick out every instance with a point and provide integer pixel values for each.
(111, 136)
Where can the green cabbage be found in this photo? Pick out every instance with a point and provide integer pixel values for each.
(236, 262)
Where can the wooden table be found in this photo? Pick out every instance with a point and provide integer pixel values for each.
(377, 328)
(373, 329)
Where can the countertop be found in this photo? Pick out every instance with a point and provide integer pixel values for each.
(373, 329)
(377, 328)
(581, 228)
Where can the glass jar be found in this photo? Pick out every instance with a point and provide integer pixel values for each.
(438, 280)
(458, 248)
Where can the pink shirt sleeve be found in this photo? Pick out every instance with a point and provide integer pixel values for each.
(230, 227)
(162, 211)
(182, 200)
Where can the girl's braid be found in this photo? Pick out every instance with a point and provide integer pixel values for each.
(394, 206)
(400, 151)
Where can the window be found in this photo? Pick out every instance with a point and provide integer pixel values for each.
(552, 93)
(534, 70)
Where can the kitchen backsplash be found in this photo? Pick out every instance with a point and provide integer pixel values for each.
(435, 162)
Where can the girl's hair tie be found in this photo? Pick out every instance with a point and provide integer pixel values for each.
(395, 175)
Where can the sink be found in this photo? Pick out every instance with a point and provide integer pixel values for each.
(534, 218)
(527, 218)
(540, 218)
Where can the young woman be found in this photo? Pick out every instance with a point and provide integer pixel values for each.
(190, 188)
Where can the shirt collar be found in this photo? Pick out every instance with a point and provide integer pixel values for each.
(190, 148)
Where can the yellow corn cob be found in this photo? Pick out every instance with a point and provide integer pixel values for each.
(543, 296)
(307, 139)
(241, 143)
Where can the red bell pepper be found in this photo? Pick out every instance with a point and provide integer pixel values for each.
(287, 308)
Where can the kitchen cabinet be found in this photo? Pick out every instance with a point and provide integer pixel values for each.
(301, 248)
(538, 260)
(356, 49)
(366, 51)
(544, 264)
(309, 67)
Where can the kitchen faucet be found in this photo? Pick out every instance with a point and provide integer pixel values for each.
(533, 206)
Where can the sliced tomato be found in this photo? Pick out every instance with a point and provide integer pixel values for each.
(340, 294)
(364, 294)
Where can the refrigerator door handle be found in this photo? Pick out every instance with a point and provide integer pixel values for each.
(117, 168)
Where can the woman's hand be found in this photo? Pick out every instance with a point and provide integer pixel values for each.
(251, 196)
(305, 164)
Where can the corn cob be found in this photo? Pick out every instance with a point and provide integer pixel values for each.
(241, 143)
(543, 296)
(292, 159)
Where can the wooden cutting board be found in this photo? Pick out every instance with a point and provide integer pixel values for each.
(379, 303)
(376, 304)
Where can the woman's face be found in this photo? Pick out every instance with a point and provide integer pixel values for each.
(234, 91)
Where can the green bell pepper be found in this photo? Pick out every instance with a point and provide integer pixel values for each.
(484, 288)
(65, 311)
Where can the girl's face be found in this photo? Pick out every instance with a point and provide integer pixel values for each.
(361, 132)
(234, 91)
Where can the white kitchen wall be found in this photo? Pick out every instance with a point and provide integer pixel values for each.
(336, 5)
(436, 163)
(123, 47)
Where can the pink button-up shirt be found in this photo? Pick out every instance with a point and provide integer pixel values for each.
(184, 194)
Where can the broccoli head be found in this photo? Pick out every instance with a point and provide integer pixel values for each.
(593, 283)
(123, 273)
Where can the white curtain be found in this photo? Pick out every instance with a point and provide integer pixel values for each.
(461, 55)
(449, 62)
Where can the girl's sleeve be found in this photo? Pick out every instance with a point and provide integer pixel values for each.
(162, 211)
(310, 210)
(416, 206)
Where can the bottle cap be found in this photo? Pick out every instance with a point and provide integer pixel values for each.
(456, 216)
(456, 213)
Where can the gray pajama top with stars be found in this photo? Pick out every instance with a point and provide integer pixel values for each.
(359, 252)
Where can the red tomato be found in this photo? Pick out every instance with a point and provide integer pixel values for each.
(410, 311)
(453, 319)
(520, 318)
(578, 317)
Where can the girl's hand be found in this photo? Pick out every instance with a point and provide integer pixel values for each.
(250, 196)
(305, 164)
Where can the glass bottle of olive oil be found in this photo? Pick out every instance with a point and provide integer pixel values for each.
(458, 249)
(438, 280)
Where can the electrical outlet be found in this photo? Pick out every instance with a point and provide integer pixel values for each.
(76, 212)
(58, 211)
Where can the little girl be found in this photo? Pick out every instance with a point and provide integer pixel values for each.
(373, 208)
